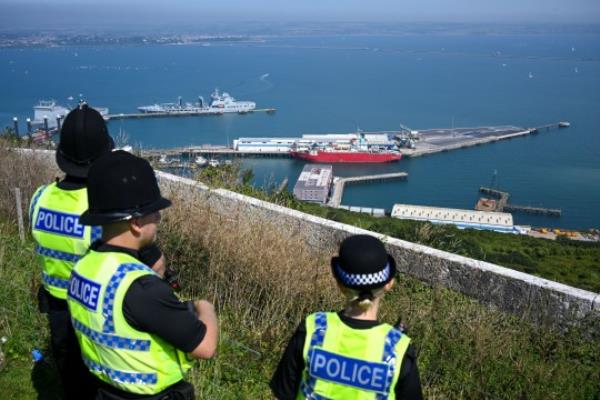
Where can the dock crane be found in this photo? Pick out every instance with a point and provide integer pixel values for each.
(407, 137)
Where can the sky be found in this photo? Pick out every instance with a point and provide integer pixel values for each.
(139, 13)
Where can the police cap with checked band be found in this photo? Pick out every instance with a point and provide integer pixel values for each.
(363, 263)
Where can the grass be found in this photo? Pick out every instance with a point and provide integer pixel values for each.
(466, 350)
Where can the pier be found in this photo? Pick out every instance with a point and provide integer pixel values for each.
(339, 184)
(141, 115)
(210, 151)
(556, 125)
(431, 141)
(501, 204)
(552, 212)
(425, 142)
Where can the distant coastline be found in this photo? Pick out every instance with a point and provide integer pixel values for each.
(258, 32)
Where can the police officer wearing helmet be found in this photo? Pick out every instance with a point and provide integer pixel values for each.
(61, 238)
(136, 337)
(350, 354)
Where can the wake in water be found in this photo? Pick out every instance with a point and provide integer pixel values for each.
(267, 83)
(250, 87)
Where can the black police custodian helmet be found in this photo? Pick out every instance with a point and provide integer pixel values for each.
(121, 186)
(83, 138)
(363, 263)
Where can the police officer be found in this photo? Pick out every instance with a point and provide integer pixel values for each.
(61, 238)
(349, 354)
(136, 337)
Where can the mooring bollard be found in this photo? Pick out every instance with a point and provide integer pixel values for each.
(19, 214)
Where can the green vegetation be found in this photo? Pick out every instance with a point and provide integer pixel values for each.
(567, 261)
(21, 323)
(466, 350)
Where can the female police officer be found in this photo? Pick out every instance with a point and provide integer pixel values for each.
(136, 337)
(61, 239)
(350, 355)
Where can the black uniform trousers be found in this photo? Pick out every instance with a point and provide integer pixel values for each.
(77, 381)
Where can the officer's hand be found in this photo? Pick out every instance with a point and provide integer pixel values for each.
(208, 346)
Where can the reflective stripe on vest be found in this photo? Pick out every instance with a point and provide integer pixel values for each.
(112, 341)
(48, 280)
(307, 386)
(58, 255)
(61, 239)
(123, 377)
(367, 368)
(131, 360)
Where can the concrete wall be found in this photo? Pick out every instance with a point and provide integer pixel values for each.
(539, 300)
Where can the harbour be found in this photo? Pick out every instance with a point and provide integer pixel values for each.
(324, 101)
(419, 143)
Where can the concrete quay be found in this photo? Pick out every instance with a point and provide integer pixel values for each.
(179, 114)
(339, 183)
(502, 205)
(210, 150)
(433, 141)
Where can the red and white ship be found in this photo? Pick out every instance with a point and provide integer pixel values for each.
(331, 155)
(357, 150)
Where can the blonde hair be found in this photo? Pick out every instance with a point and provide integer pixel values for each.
(354, 297)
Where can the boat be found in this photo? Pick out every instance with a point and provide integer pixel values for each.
(47, 114)
(201, 161)
(331, 155)
(49, 111)
(356, 150)
(220, 103)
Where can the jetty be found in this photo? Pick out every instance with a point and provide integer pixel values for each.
(210, 151)
(339, 184)
(424, 142)
(169, 114)
(431, 141)
(500, 204)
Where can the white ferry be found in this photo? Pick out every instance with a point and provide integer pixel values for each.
(220, 103)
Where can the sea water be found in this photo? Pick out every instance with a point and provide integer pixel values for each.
(341, 84)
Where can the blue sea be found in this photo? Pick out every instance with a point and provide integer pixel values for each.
(338, 84)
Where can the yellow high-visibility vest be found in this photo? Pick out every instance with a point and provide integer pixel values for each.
(61, 239)
(118, 354)
(350, 364)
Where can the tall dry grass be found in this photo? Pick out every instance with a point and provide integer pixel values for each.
(249, 267)
(265, 279)
(25, 170)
